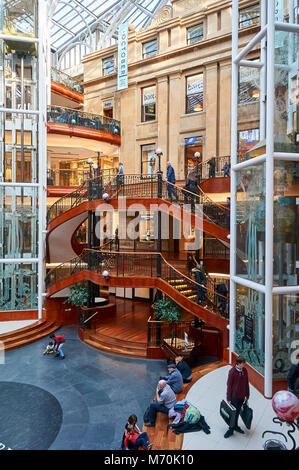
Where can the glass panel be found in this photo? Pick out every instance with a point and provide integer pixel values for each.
(18, 151)
(250, 327)
(249, 16)
(249, 85)
(148, 106)
(18, 222)
(18, 286)
(286, 223)
(108, 65)
(285, 333)
(286, 11)
(247, 140)
(149, 49)
(286, 120)
(195, 34)
(250, 223)
(194, 93)
(18, 17)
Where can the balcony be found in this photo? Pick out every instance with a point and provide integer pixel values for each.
(71, 122)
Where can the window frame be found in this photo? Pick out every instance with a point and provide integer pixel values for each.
(103, 68)
(144, 54)
(188, 39)
(143, 114)
(186, 96)
(251, 19)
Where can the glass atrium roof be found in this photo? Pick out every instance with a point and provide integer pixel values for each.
(72, 19)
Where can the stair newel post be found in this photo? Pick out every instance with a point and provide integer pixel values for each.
(89, 245)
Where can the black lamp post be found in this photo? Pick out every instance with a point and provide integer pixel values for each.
(197, 157)
(98, 161)
(159, 153)
(90, 163)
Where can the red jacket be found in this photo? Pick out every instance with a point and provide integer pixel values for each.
(59, 339)
(133, 437)
(237, 384)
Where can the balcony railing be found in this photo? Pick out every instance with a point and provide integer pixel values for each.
(145, 264)
(64, 79)
(82, 119)
(217, 168)
(73, 177)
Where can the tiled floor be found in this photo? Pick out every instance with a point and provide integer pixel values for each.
(96, 391)
(207, 394)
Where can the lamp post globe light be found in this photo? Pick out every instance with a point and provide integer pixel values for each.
(159, 153)
(197, 157)
(90, 163)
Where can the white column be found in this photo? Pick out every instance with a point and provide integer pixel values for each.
(234, 143)
(269, 202)
(42, 145)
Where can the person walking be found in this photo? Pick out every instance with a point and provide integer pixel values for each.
(170, 178)
(120, 176)
(237, 391)
(58, 344)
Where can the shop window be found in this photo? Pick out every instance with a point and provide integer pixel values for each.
(148, 104)
(108, 66)
(108, 108)
(149, 49)
(249, 16)
(194, 93)
(193, 145)
(194, 34)
(148, 161)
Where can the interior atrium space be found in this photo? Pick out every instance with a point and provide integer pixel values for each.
(149, 221)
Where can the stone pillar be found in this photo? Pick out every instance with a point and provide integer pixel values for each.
(129, 151)
(210, 106)
(163, 119)
(176, 106)
(224, 117)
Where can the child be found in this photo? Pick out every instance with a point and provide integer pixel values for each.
(49, 349)
(136, 438)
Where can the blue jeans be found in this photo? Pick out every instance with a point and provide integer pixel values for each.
(154, 407)
(59, 350)
(171, 190)
(142, 440)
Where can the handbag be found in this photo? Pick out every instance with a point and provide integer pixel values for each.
(246, 414)
(228, 413)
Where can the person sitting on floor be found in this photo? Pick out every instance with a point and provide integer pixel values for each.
(174, 379)
(137, 438)
(184, 369)
(50, 348)
(164, 400)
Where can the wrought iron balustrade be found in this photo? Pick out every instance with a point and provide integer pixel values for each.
(66, 80)
(82, 119)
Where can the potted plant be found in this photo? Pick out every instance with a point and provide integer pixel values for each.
(167, 310)
(78, 296)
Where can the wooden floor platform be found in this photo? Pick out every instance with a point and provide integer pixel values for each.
(168, 440)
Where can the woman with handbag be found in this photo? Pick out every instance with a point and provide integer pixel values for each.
(237, 391)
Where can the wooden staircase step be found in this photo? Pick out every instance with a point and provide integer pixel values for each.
(21, 341)
(8, 334)
(113, 349)
(119, 341)
(40, 329)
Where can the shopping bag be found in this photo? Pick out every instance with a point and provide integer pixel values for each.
(228, 413)
(246, 414)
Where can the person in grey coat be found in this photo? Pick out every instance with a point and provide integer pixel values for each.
(174, 379)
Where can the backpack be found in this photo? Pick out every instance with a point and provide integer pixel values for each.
(146, 415)
(192, 415)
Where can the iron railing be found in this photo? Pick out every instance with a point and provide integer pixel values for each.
(145, 264)
(82, 119)
(66, 80)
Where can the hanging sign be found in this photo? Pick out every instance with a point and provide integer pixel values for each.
(122, 72)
